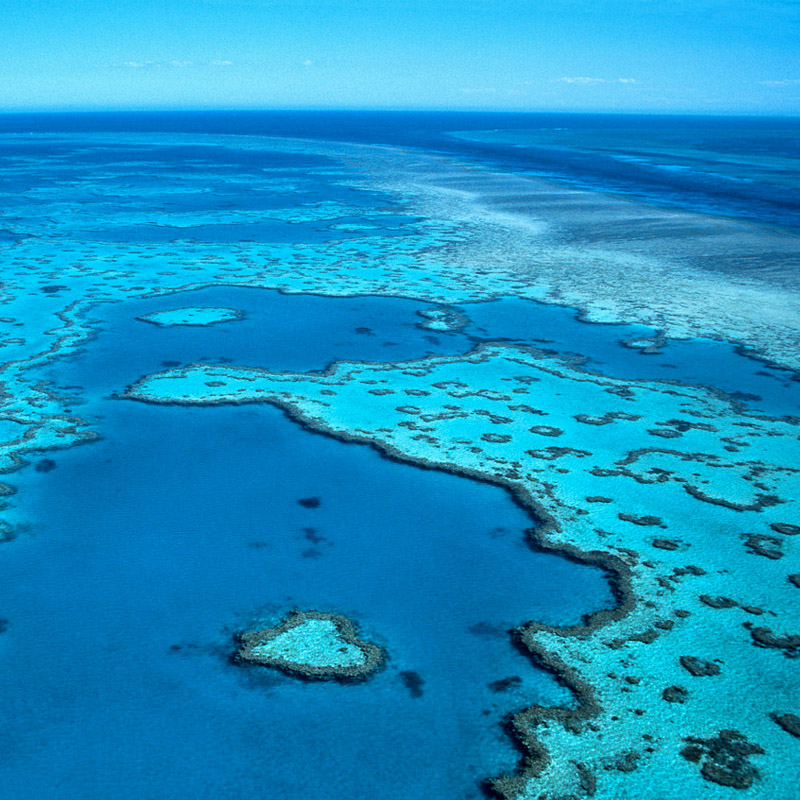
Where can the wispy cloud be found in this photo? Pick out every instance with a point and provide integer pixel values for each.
(784, 82)
(583, 81)
(175, 63)
(579, 80)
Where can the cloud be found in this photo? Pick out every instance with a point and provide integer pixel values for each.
(784, 82)
(308, 63)
(175, 63)
(583, 81)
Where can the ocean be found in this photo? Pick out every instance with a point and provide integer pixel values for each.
(135, 557)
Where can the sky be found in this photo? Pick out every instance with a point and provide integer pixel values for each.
(697, 56)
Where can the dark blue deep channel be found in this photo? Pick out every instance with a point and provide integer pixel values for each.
(148, 550)
(302, 332)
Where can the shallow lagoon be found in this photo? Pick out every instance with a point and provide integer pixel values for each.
(696, 362)
(302, 332)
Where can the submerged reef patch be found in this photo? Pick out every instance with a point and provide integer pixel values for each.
(196, 316)
(312, 645)
(724, 758)
(309, 502)
(413, 681)
(789, 722)
(444, 319)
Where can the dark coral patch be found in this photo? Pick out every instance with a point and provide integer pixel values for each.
(764, 637)
(699, 668)
(718, 602)
(761, 544)
(665, 544)
(789, 722)
(413, 681)
(496, 438)
(665, 433)
(645, 520)
(313, 536)
(504, 684)
(546, 430)
(675, 694)
(689, 569)
(45, 465)
(309, 502)
(724, 758)
(623, 762)
(785, 528)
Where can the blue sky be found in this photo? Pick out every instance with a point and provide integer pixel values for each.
(707, 56)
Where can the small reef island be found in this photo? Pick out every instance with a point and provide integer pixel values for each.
(314, 646)
(194, 316)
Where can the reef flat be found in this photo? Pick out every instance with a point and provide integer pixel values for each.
(687, 500)
(685, 274)
(312, 645)
(192, 316)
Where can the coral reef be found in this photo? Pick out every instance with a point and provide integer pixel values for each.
(312, 645)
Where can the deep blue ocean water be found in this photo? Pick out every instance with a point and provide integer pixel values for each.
(148, 550)
(677, 161)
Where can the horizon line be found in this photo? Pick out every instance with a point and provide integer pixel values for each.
(146, 110)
